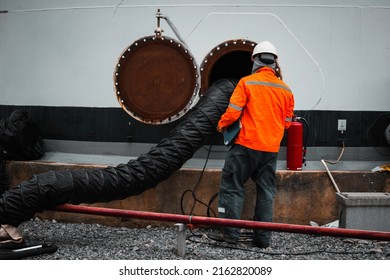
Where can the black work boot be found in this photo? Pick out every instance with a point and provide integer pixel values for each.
(221, 236)
(260, 243)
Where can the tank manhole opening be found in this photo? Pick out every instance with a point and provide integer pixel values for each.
(156, 80)
(230, 59)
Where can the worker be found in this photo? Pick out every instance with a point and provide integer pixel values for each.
(264, 105)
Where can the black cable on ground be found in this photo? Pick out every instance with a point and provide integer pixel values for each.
(263, 251)
(213, 197)
(27, 251)
(192, 191)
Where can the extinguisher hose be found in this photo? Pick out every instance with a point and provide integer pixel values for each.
(304, 138)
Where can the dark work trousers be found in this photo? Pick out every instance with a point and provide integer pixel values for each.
(241, 164)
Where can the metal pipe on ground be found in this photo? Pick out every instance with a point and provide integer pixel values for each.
(199, 220)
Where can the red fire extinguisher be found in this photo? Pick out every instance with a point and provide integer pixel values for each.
(296, 149)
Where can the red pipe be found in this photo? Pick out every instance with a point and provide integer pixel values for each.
(198, 220)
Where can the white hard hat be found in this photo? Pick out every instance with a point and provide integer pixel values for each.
(264, 47)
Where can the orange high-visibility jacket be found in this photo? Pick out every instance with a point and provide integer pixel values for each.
(265, 105)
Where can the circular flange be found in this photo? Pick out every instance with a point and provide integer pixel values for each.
(228, 58)
(156, 80)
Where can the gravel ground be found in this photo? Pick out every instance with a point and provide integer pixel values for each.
(98, 242)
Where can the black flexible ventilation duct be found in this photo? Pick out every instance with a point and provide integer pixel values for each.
(44, 191)
(20, 139)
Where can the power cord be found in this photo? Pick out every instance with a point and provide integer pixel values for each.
(333, 162)
(193, 194)
(340, 156)
(262, 251)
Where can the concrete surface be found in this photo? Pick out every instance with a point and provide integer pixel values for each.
(302, 196)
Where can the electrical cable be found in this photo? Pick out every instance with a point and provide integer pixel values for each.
(192, 191)
(253, 249)
(340, 156)
(333, 162)
(213, 197)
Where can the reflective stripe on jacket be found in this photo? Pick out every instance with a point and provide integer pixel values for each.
(265, 105)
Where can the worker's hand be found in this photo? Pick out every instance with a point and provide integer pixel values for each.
(221, 129)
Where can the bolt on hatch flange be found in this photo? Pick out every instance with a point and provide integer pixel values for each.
(156, 80)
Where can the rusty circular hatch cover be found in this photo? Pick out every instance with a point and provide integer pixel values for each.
(156, 80)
